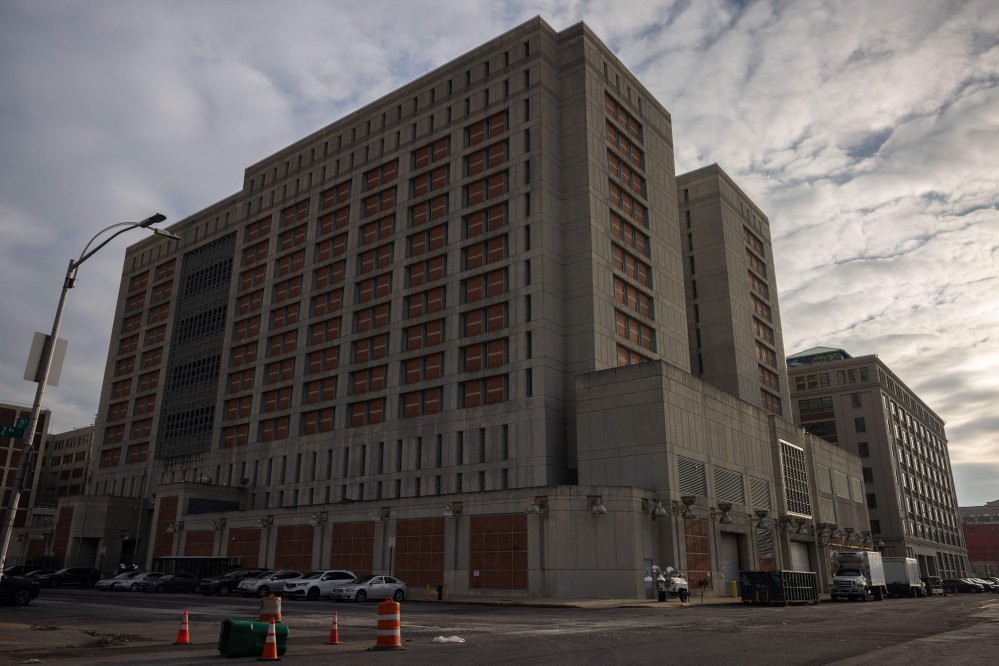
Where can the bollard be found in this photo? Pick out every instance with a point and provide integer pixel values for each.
(389, 626)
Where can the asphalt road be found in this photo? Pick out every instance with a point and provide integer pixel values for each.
(65, 627)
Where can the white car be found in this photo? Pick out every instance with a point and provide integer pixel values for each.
(135, 583)
(318, 584)
(122, 580)
(372, 587)
(272, 581)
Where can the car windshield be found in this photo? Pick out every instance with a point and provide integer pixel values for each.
(362, 580)
(235, 574)
(312, 575)
(848, 572)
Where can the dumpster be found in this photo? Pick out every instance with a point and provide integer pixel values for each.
(779, 587)
(245, 637)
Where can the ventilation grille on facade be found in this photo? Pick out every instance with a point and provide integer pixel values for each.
(856, 490)
(827, 510)
(759, 489)
(792, 462)
(840, 485)
(692, 480)
(728, 486)
(765, 542)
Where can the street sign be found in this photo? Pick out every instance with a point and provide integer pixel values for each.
(16, 431)
(12, 431)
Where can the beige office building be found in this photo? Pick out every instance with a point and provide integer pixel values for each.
(411, 342)
(860, 405)
(733, 319)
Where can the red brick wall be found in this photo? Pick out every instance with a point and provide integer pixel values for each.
(163, 542)
(353, 547)
(199, 543)
(60, 543)
(244, 542)
(498, 552)
(294, 548)
(419, 551)
(698, 551)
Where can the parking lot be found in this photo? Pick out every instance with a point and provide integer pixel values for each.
(69, 626)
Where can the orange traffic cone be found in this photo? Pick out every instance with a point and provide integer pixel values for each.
(270, 646)
(184, 635)
(334, 634)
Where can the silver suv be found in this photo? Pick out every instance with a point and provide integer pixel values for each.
(271, 581)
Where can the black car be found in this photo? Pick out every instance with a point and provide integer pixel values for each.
(18, 570)
(175, 582)
(70, 577)
(227, 582)
(961, 585)
(17, 591)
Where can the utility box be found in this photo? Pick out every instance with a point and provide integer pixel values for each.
(245, 637)
(779, 587)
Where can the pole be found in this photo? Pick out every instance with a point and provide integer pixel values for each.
(28, 447)
(28, 443)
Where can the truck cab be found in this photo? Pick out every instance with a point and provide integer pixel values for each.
(859, 575)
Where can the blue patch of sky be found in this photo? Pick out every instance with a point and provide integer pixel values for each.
(869, 145)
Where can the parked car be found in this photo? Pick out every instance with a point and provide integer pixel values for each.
(961, 585)
(108, 584)
(38, 573)
(318, 584)
(135, 584)
(18, 570)
(987, 585)
(227, 582)
(272, 581)
(17, 591)
(180, 581)
(71, 577)
(372, 587)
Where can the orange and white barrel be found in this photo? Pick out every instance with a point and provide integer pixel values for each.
(389, 626)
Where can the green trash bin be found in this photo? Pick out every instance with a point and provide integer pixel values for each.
(245, 637)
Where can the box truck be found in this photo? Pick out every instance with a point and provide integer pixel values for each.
(860, 574)
(902, 577)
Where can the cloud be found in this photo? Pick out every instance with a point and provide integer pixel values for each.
(866, 131)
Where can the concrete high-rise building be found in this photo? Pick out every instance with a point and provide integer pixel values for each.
(411, 343)
(862, 406)
(66, 464)
(733, 319)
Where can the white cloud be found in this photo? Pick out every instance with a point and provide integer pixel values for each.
(866, 131)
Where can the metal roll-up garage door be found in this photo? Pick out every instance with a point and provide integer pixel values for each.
(799, 557)
(729, 552)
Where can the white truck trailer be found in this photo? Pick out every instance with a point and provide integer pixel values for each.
(902, 577)
(860, 574)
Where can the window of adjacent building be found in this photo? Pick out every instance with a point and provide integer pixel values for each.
(864, 449)
(856, 400)
(859, 424)
(868, 475)
(872, 501)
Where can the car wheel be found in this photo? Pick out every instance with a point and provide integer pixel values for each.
(158, 588)
(263, 591)
(21, 597)
(833, 597)
(398, 596)
(313, 594)
(53, 583)
(133, 587)
(684, 595)
(361, 597)
(223, 591)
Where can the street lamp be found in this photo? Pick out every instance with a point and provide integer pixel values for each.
(45, 364)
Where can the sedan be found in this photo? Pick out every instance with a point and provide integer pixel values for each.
(135, 584)
(175, 582)
(120, 579)
(372, 587)
(318, 584)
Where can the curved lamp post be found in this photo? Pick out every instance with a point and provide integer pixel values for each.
(45, 365)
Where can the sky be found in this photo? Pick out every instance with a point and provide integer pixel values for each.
(868, 132)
